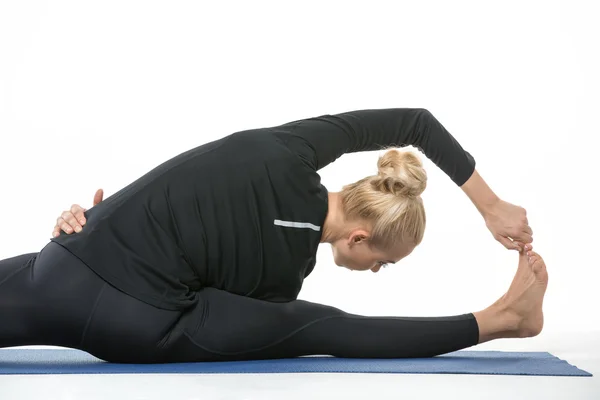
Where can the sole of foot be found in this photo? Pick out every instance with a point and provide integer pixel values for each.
(525, 297)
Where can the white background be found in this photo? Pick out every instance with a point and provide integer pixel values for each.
(95, 94)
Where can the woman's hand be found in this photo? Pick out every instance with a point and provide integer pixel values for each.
(74, 219)
(507, 221)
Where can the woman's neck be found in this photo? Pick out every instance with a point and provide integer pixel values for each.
(334, 219)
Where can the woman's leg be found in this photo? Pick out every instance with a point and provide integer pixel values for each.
(45, 298)
(224, 326)
(14, 331)
(52, 298)
(228, 327)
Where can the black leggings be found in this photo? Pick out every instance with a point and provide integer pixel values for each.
(52, 298)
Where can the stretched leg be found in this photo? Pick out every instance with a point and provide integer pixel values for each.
(225, 326)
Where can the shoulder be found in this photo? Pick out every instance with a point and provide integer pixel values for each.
(269, 145)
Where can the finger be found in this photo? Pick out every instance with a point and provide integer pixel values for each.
(77, 212)
(70, 219)
(67, 228)
(56, 231)
(522, 246)
(98, 196)
(62, 224)
(524, 237)
(509, 244)
(527, 229)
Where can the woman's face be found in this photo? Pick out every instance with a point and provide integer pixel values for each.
(355, 253)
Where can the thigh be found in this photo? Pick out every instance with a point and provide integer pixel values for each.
(45, 298)
(16, 303)
(225, 327)
(12, 265)
(124, 329)
(53, 298)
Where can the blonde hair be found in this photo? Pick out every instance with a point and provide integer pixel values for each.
(390, 201)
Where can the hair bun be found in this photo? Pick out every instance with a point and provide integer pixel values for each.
(400, 173)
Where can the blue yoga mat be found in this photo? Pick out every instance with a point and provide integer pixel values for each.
(67, 361)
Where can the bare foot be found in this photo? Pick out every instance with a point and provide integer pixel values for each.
(525, 296)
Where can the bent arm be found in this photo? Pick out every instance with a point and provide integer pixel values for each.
(325, 138)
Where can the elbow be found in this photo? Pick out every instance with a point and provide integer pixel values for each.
(425, 114)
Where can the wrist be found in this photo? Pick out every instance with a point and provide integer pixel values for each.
(480, 194)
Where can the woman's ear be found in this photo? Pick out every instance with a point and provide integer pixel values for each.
(359, 236)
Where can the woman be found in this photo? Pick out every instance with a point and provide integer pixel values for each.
(202, 258)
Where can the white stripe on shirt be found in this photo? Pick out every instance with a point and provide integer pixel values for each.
(292, 224)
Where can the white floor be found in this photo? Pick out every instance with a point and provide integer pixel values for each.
(581, 350)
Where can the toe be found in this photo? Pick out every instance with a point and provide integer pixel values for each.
(537, 266)
(533, 262)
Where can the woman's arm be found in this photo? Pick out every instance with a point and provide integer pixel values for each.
(480, 193)
(325, 138)
(321, 140)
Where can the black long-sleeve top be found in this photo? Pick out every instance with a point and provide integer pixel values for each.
(243, 213)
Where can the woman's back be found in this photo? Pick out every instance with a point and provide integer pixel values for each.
(216, 216)
(242, 213)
